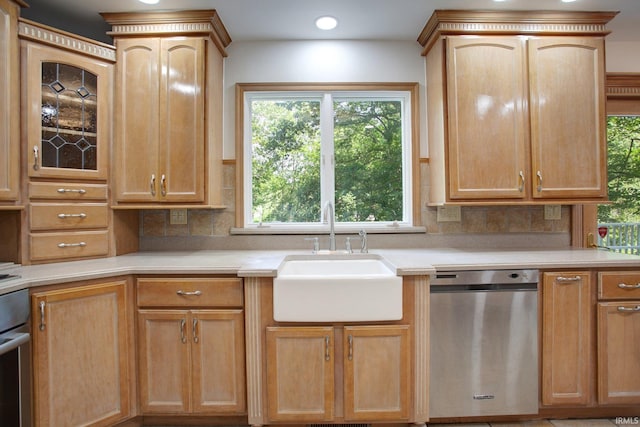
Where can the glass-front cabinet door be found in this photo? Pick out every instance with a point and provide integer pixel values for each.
(67, 96)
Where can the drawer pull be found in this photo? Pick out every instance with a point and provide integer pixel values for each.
(625, 286)
(72, 190)
(569, 279)
(189, 293)
(78, 215)
(72, 245)
(629, 309)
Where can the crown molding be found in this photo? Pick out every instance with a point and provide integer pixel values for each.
(174, 23)
(623, 85)
(485, 22)
(29, 30)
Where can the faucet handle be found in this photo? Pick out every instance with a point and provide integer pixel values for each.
(348, 245)
(363, 241)
(316, 243)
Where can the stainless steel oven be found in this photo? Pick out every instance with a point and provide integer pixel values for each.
(15, 360)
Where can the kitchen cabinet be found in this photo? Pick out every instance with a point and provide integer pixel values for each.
(67, 107)
(515, 116)
(67, 119)
(191, 356)
(567, 329)
(305, 365)
(619, 338)
(81, 354)
(9, 101)
(168, 136)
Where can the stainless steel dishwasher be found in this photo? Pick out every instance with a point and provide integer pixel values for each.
(484, 343)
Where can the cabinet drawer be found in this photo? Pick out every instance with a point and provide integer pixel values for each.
(49, 246)
(619, 285)
(62, 216)
(193, 292)
(67, 191)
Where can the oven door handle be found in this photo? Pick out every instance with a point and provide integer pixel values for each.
(17, 339)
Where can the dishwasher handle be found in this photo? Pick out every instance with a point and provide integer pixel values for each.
(495, 287)
(17, 339)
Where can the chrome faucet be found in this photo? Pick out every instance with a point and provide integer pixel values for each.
(363, 241)
(329, 216)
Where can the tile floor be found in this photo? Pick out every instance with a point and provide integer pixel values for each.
(542, 423)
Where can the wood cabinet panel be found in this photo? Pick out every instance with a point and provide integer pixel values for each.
(63, 246)
(81, 355)
(486, 81)
(68, 191)
(568, 120)
(377, 367)
(619, 285)
(567, 327)
(164, 356)
(218, 379)
(67, 216)
(192, 292)
(300, 373)
(619, 353)
(9, 101)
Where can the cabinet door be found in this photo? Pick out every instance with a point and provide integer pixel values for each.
(377, 372)
(566, 338)
(568, 122)
(81, 357)
(182, 136)
(487, 117)
(619, 353)
(137, 119)
(9, 101)
(68, 120)
(217, 341)
(164, 355)
(300, 373)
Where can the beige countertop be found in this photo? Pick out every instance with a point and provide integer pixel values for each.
(265, 263)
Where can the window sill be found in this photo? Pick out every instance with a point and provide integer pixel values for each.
(324, 229)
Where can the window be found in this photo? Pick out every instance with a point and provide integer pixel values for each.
(306, 149)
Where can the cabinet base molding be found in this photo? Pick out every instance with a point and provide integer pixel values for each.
(187, 420)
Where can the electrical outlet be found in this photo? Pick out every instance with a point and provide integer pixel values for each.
(552, 212)
(448, 214)
(178, 216)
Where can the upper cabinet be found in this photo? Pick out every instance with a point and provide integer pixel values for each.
(168, 116)
(9, 101)
(516, 106)
(67, 96)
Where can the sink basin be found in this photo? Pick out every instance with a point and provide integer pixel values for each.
(336, 289)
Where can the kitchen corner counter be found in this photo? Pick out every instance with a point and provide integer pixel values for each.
(407, 262)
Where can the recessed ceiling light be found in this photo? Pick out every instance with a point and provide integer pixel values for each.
(568, 1)
(150, 1)
(326, 22)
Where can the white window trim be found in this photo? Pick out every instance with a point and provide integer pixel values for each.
(408, 165)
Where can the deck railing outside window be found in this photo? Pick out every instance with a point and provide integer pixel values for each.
(621, 237)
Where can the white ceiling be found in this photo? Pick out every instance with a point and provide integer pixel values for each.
(293, 19)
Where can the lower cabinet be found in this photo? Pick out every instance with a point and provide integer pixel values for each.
(567, 329)
(311, 377)
(619, 338)
(81, 355)
(191, 346)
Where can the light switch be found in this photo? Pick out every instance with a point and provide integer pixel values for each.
(178, 216)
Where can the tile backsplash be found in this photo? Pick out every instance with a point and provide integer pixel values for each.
(501, 225)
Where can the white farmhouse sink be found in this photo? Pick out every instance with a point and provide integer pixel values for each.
(336, 289)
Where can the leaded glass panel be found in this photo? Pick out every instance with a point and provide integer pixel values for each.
(69, 117)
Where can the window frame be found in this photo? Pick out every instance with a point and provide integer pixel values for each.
(410, 164)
